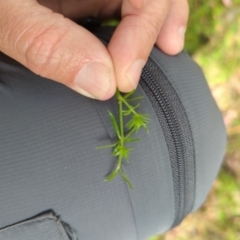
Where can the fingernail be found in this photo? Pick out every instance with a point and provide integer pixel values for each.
(93, 80)
(181, 35)
(134, 72)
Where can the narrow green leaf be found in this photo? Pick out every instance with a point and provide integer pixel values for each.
(126, 157)
(129, 94)
(134, 99)
(114, 123)
(130, 124)
(107, 146)
(146, 128)
(136, 106)
(126, 112)
(132, 139)
(117, 146)
(126, 179)
(115, 152)
(145, 117)
(125, 152)
(111, 176)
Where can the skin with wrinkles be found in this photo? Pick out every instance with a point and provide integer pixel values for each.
(43, 36)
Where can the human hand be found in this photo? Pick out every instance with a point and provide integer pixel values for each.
(41, 36)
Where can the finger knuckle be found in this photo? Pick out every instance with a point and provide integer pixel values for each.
(153, 18)
(151, 27)
(43, 53)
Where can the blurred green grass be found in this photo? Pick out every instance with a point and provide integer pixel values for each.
(213, 40)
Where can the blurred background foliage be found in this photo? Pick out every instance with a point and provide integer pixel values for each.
(213, 41)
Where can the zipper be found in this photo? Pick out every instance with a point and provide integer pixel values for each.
(177, 132)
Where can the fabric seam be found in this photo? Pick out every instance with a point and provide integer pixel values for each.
(43, 218)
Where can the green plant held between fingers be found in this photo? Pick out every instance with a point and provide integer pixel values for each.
(137, 121)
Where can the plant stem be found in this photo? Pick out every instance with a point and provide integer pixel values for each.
(129, 106)
(130, 133)
(119, 163)
(119, 149)
(121, 127)
(120, 115)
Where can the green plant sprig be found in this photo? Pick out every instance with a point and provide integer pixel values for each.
(137, 121)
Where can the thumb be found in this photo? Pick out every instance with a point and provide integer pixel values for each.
(56, 48)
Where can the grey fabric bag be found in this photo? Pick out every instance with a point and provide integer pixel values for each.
(52, 177)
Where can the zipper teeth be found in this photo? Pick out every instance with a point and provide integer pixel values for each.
(172, 123)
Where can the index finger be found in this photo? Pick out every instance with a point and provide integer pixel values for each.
(134, 38)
